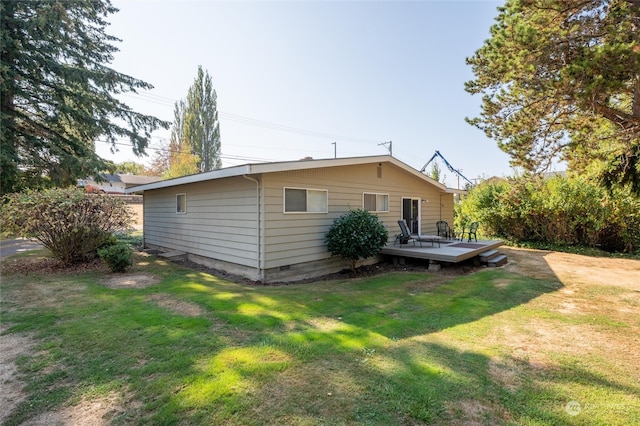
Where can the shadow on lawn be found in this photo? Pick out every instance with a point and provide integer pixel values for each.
(348, 322)
(281, 351)
(395, 306)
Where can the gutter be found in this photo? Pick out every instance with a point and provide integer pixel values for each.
(259, 228)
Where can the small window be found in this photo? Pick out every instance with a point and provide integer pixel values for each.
(298, 200)
(375, 202)
(181, 203)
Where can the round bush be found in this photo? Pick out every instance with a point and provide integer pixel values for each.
(69, 222)
(356, 235)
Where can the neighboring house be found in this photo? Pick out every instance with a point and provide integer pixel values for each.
(115, 184)
(267, 222)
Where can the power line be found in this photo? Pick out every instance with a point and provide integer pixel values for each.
(169, 150)
(124, 142)
(291, 129)
(162, 100)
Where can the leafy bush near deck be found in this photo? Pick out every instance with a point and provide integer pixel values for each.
(71, 223)
(560, 210)
(356, 235)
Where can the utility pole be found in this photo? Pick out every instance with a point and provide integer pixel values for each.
(335, 149)
(389, 146)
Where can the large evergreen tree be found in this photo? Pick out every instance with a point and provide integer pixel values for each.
(561, 79)
(196, 129)
(57, 92)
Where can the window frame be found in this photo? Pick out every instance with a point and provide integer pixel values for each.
(284, 200)
(377, 194)
(178, 204)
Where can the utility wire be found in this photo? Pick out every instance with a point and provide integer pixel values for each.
(162, 100)
(225, 156)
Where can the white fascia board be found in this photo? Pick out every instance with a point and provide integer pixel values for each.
(315, 164)
(457, 191)
(418, 174)
(200, 177)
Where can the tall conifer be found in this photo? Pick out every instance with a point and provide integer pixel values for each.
(561, 79)
(196, 129)
(57, 92)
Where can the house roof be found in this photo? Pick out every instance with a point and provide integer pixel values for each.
(261, 168)
(129, 179)
(137, 179)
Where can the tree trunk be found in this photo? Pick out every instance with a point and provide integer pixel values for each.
(635, 107)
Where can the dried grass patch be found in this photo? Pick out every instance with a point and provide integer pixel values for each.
(132, 280)
(13, 345)
(179, 307)
(88, 412)
(288, 395)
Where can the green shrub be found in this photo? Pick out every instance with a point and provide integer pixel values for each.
(71, 223)
(118, 256)
(556, 211)
(356, 235)
(110, 240)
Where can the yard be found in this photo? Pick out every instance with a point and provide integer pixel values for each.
(551, 338)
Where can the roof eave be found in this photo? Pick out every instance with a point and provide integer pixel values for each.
(261, 168)
(200, 177)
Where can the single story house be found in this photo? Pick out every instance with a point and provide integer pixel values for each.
(114, 184)
(267, 222)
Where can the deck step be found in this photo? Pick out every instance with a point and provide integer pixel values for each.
(174, 255)
(488, 255)
(498, 261)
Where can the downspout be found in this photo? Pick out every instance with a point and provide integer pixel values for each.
(259, 245)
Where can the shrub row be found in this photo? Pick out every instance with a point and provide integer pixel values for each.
(559, 210)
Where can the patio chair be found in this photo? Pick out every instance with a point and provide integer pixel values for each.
(473, 228)
(407, 236)
(444, 230)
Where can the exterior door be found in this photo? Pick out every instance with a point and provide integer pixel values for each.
(411, 213)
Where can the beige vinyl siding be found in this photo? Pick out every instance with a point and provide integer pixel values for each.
(232, 224)
(220, 222)
(447, 209)
(296, 238)
(403, 185)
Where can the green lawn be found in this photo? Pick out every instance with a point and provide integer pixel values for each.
(493, 347)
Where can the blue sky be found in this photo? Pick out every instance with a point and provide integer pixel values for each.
(293, 77)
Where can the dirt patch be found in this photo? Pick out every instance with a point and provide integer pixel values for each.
(13, 345)
(85, 413)
(507, 374)
(133, 280)
(49, 265)
(176, 306)
(566, 267)
(334, 393)
(473, 412)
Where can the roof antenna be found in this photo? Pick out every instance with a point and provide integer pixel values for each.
(389, 146)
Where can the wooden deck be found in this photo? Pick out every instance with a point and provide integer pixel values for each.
(452, 251)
